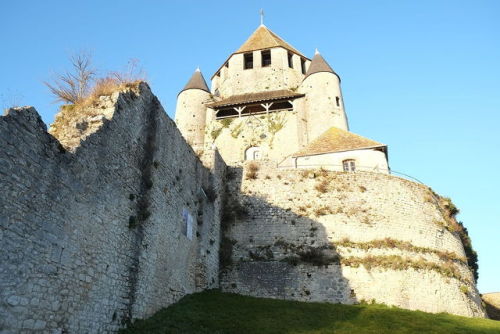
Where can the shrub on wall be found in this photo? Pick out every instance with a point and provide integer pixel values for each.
(252, 169)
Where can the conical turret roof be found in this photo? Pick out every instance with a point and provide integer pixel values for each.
(197, 81)
(319, 64)
(263, 38)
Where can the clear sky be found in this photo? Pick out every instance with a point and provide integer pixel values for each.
(421, 76)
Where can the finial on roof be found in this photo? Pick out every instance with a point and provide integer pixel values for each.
(316, 52)
(198, 69)
(261, 12)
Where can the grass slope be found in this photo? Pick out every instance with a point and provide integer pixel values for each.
(221, 313)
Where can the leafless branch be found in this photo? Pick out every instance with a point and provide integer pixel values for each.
(74, 86)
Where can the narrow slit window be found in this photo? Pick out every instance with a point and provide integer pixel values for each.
(338, 101)
(248, 61)
(303, 65)
(227, 64)
(266, 58)
(290, 59)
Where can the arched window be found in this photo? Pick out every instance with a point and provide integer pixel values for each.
(253, 153)
(349, 165)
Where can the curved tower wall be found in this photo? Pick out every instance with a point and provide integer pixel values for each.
(190, 116)
(322, 111)
(345, 237)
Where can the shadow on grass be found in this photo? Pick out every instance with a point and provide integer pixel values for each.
(215, 312)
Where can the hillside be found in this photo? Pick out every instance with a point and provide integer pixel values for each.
(215, 312)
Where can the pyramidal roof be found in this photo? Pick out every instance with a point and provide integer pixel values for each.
(263, 38)
(197, 81)
(319, 64)
(337, 140)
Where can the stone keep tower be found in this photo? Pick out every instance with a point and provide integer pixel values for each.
(268, 101)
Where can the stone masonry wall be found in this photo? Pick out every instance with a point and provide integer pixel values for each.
(93, 233)
(343, 237)
(277, 134)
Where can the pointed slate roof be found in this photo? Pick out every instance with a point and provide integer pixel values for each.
(337, 140)
(197, 81)
(319, 64)
(263, 38)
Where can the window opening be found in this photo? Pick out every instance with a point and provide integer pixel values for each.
(338, 101)
(281, 105)
(253, 153)
(228, 112)
(349, 165)
(248, 61)
(290, 59)
(303, 65)
(266, 58)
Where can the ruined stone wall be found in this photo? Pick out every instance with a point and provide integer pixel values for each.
(93, 233)
(343, 237)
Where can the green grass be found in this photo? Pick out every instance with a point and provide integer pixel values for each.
(213, 312)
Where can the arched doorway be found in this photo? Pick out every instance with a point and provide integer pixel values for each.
(253, 153)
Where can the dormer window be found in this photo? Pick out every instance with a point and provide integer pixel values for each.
(303, 65)
(290, 59)
(248, 61)
(349, 165)
(266, 58)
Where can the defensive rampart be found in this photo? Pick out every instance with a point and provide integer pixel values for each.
(118, 221)
(343, 237)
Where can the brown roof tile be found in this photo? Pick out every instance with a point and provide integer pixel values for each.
(255, 97)
(337, 140)
(263, 38)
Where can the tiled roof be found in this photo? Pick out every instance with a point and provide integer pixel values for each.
(263, 38)
(319, 64)
(196, 82)
(255, 97)
(337, 140)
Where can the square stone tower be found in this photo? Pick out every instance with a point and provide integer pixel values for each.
(267, 101)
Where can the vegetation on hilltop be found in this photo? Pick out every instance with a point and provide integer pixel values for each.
(223, 313)
(81, 87)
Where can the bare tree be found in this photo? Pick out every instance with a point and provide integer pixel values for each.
(74, 86)
(132, 72)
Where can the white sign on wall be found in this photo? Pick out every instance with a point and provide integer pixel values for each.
(187, 226)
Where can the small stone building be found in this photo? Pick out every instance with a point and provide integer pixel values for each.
(268, 101)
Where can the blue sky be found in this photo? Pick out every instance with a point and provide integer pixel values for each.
(421, 76)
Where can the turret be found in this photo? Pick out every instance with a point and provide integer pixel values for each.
(323, 103)
(190, 114)
(265, 62)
